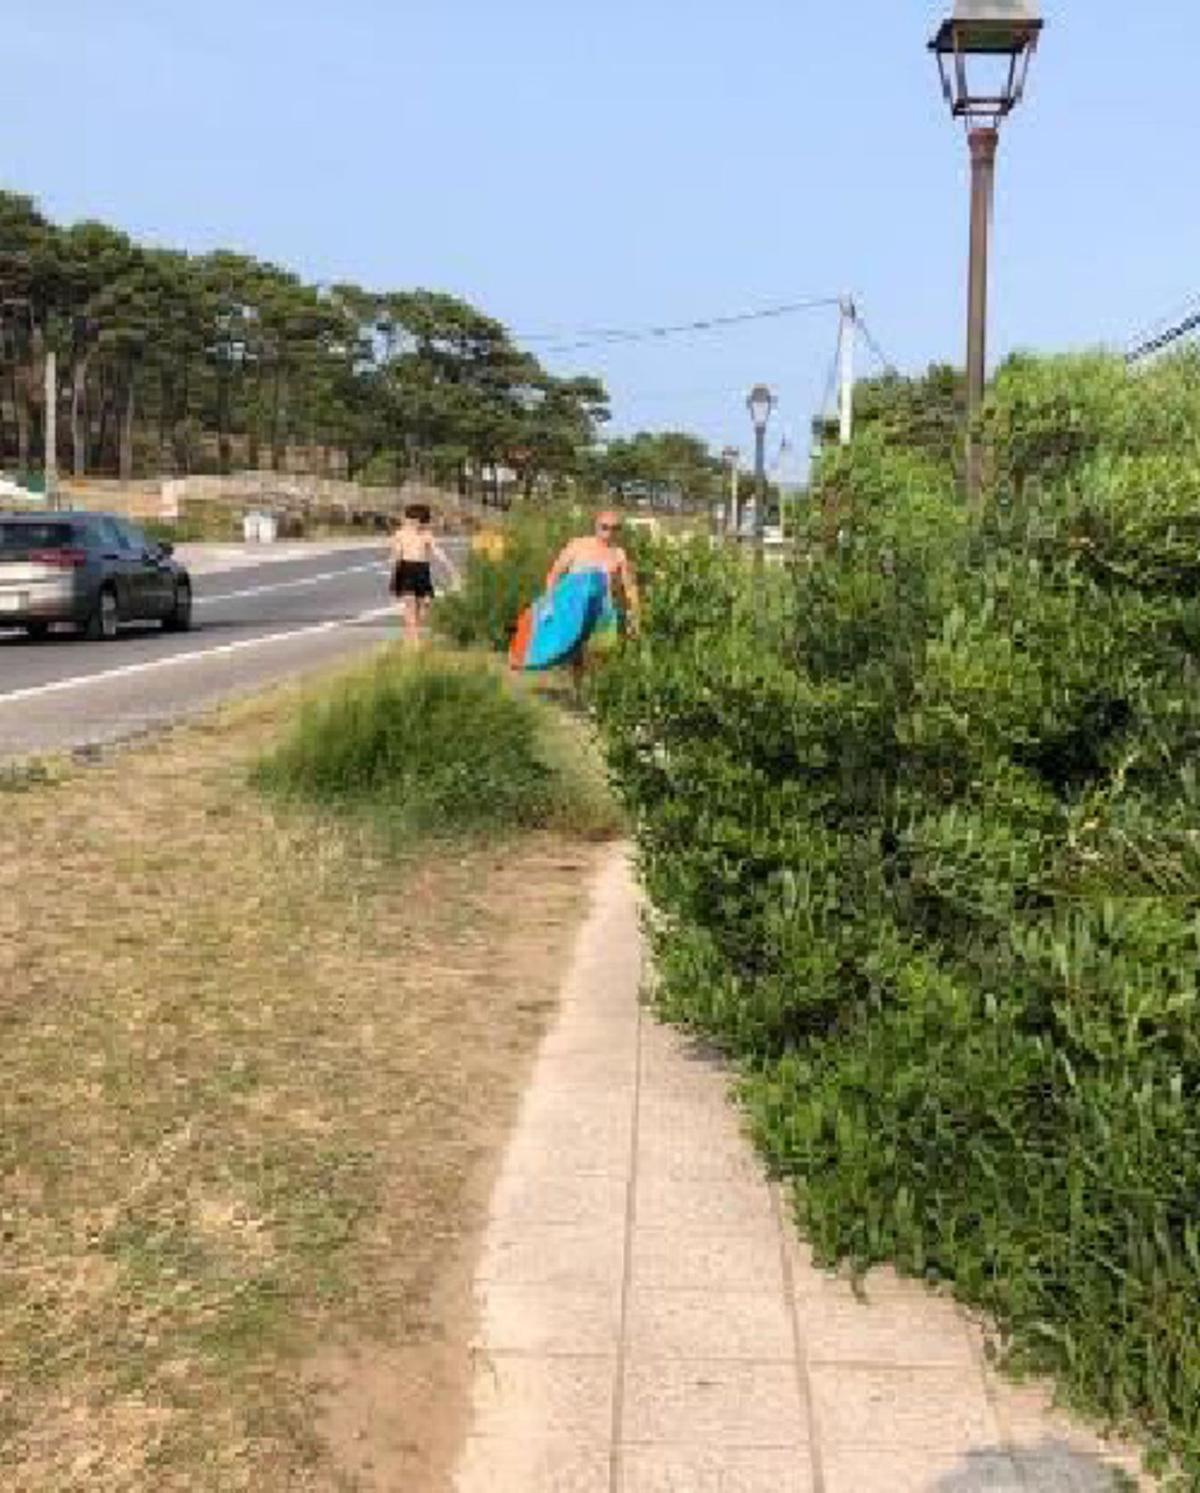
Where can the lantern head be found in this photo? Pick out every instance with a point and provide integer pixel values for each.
(984, 50)
(760, 403)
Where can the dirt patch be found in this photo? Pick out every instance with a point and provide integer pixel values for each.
(254, 1076)
(395, 1408)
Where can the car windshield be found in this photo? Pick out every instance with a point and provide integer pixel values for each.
(32, 534)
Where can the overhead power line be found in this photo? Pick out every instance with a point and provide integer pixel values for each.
(885, 362)
(1176, 314)
(591, 338)
(1163, 340)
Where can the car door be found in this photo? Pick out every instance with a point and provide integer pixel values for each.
(149, 573)
(161, 575)
(120, 567)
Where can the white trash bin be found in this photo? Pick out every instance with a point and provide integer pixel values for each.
(260, 528)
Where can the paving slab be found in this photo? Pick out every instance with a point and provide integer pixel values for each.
(680, 1469)
(649, 1322)
(696, 1325)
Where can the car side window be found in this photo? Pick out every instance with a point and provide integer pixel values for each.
(135, 540)
(110, 534)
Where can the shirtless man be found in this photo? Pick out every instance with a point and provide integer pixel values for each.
(600, 551)
(413, 549)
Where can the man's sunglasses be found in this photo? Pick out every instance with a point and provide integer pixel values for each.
(609, 528)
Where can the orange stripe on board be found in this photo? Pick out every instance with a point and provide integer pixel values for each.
(518, 649)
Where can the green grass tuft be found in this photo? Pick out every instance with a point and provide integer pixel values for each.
(437, 746)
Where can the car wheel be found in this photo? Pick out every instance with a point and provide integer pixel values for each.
(102, 624)
(36, 631)
(179, 618)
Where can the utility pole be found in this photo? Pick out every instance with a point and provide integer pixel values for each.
(786, 501)
(846, 330)
(51, 429)
(734, 520)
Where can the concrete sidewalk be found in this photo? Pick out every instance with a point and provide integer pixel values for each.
(649, 1323)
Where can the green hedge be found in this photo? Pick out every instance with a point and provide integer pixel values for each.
(922, 819)
(496, 589)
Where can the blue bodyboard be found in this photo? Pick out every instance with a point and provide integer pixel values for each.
(563, 619)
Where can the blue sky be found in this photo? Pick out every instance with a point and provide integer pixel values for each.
(628, 164)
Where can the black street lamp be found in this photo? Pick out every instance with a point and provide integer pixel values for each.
(983, 52)
(760, 402)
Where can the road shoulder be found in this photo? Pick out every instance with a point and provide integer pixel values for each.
(276, 1066)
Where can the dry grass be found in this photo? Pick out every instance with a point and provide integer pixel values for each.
(252, 1077)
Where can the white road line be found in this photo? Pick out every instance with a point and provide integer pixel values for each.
(308, 580)
(80, 681)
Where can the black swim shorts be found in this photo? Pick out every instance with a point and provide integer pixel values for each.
(412, 578)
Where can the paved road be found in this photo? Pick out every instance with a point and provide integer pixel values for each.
(255, 624)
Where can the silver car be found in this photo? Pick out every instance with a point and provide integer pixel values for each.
(93, 570)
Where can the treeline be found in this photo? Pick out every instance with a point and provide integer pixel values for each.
(170, 362)
(662, 469)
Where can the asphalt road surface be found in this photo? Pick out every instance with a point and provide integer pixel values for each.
(254, 625)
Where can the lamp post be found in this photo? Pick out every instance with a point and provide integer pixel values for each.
(983, 52)
(760, 402)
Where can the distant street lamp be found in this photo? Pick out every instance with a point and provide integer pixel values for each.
(760, 402)
(983, 51)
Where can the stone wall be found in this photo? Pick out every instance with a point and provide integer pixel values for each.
(275, 492)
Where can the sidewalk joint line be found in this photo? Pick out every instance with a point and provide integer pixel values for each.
(800, 1350)
(618, 1411)
(995, 1401)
